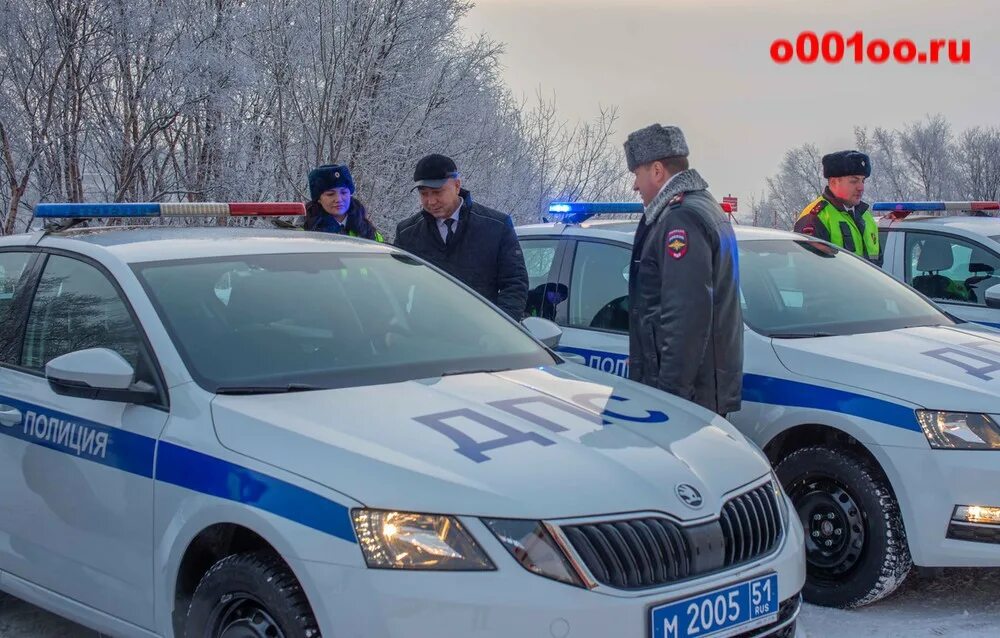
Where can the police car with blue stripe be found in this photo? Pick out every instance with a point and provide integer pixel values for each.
(241, 432)
(949, 251)
(879, 410)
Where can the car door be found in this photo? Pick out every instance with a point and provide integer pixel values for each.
(15, 287)
(77, 472)
(954, 272)
(595, 322)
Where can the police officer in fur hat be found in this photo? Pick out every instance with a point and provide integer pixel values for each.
(333, 208)
(685, 320)
(838, 215)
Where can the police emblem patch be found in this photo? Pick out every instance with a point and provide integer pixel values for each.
(677, 243)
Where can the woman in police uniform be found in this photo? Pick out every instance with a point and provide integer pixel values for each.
(333, 208)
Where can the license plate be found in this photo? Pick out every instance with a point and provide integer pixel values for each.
(723, 612)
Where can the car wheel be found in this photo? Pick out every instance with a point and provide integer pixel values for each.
(856, 551)
(252, 595)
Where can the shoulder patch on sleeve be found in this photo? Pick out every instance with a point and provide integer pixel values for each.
(677, 243)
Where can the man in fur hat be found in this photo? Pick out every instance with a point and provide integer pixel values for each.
(838, 215)
(685, 321)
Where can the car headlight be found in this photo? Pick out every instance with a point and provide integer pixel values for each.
(404, 540)
(530, 543)
(959, 430)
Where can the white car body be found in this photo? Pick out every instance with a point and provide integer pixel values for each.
(109, 506)
(962, 241)
(866, 386)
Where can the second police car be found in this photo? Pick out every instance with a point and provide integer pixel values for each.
(879, 411)
(222, 433)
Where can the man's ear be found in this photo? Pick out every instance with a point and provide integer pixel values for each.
(660, 172)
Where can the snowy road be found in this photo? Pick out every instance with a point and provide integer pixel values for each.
(959, 604)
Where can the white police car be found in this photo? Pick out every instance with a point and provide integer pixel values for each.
(878, 410)
(229, 433)
(949, 251)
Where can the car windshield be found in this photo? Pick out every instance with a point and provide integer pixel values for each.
(995, 238)
(323, 320)
(792, 288)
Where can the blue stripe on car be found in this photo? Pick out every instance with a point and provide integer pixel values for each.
(169, 463)
(776, 391)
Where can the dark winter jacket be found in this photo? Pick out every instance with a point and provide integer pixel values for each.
(356, 224)
(686, 325)
(484, 254)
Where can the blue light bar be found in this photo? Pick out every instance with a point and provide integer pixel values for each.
(909, 207)
(597, 208)
(83, 211)
(579, 212)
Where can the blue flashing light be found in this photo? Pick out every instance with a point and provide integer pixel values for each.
(579, 212)
(84, 211)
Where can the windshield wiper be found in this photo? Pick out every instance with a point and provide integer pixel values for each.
(800, 335)
(267, 389)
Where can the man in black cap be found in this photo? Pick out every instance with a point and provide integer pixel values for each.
(685, 320)
(475, 244)
(838, 215)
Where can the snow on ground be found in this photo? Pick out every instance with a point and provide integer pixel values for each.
(962, 603)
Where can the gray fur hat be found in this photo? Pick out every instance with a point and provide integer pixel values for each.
(652, 143)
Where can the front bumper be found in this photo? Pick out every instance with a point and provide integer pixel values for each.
(930, 484)
(355, 602)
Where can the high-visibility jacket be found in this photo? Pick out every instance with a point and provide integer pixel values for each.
(826, 220)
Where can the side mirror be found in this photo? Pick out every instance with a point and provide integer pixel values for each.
(993, 296)
(543, 330)
(97, 373)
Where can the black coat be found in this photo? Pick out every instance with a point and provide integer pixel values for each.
(686, 324)
(484, 253)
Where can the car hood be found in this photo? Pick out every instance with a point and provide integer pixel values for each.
(552, 442)
(940, 368)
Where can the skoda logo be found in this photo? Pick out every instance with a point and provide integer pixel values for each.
(690, 496)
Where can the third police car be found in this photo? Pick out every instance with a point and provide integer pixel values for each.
(949, 251)
(879, 410)
(232, 433)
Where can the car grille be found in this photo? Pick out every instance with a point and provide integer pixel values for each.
(751, 524)
(653, 551)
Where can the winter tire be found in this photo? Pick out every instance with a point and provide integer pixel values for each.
(856, 551)
(251, 595)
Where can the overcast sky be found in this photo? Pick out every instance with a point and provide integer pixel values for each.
(705, 66)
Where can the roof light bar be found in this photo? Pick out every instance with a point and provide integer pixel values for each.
(578, 212)
(170, 209)
(910, 207)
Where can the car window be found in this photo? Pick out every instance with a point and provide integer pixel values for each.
(950, 269)
(544, 296)
(76, 307)
(599, 287)
(800, 288)
(12, 266)
(326, 320)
